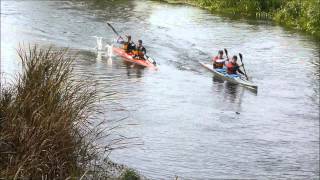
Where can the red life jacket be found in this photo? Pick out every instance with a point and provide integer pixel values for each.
(232, 68)
(217, 64)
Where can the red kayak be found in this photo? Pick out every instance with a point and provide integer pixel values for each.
(129, 57)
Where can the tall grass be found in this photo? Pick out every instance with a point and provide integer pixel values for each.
(45, 130)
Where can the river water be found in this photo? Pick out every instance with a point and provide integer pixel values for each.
(189, 123)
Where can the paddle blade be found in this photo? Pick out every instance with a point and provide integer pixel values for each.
(226, 51)
(113, 29)
(240, 55)
(110, 25)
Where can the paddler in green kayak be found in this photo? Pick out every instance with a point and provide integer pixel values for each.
(232, 66)
(219, 60)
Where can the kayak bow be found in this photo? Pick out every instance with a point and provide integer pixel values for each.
(129, 57)
(233, 78)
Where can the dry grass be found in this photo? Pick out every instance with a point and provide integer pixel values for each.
(44, 127)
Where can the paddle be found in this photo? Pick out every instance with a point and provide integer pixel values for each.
(245, 73)
(153, 61)
(225, 50)
(114, 30)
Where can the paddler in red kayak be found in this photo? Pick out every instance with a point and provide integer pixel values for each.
(232, 66)
(218, 61)
(129, 45)
(140, 51)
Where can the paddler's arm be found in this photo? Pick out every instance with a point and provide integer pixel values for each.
(226, 61)
(144, 50)
(239, 70)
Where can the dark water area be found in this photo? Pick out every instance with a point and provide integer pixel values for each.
(190, 123)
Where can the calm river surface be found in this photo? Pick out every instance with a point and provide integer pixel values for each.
(185, 118)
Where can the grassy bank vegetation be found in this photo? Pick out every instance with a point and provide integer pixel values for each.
(45, 131)
(303, 15)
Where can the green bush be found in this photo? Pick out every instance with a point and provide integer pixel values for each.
(298, 14)
(301, 14)
(130, 174)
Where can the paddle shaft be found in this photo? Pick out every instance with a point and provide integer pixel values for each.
(153, 61)
(225, 50)
(245, 73)
(114, 30)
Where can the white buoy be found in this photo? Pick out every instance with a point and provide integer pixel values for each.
(109, 54)
(110, 50)
(99, 56)
(99, 43)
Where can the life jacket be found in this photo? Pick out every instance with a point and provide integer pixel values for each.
(128, 46)
(125, 46)
(141, 50)
(135, 52)
(217, 64)
(232, 68)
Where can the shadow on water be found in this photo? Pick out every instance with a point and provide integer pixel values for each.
(217, 79)
(231, 88)
(130, 67)
(232, 93)
(109, 6)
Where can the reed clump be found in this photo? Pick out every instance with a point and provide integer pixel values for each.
(44, 126)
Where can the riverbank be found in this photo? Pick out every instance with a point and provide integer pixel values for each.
(300, 15)
(46, 127)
